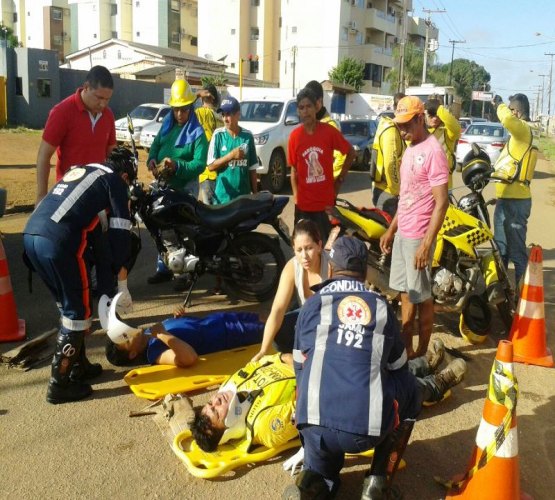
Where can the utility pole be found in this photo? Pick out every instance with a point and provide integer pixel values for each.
(543, 94)
(453, 42)
(401, 84)
(293, 64)
(551, 54)
(428, 22)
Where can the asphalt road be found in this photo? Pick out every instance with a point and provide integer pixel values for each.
(92, 449)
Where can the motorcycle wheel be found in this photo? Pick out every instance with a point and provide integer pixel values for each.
(254, 266)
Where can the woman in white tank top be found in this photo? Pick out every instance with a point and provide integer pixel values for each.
(307, 268)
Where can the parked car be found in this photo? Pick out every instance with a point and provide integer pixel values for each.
(141, 116)
(490, 136)
(466, 121)
(360, 133)
(150, 130)
(271, 121)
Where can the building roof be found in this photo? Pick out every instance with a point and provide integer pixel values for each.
(151, 50)
(156, 70)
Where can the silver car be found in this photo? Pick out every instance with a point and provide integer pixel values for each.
(490, 136)
(141, 116)
(150, 131)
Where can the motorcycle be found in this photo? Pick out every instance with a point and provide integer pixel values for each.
(466, 276)
(193, 238)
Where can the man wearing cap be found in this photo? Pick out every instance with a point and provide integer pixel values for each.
(210, 121)
(423, 202)
(232, 154)
(353, 381)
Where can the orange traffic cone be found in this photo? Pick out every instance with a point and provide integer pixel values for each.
(528, 333)
(493, 473)
(11, 328)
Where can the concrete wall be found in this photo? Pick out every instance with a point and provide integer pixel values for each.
(127, 93)
(33, 66)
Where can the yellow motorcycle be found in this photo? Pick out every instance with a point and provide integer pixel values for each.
(468, 273)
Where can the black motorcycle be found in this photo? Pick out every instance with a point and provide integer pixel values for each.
(193, 238)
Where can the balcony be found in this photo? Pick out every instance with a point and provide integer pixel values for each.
(381, 21)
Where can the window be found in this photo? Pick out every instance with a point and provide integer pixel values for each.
(18, 85)
(233, 31)
(253, 66)
(255, 3)
(176, 37)
(57, 40)
(373, 73)
(114, 34)
(279, 55)
(104, 54)
(14, 17)
(280, 21)
(57, 14)
(293, 29)
(194, 41)
(138, 33)
(232, 65)
(113, 9)
(137, 3)
(43, 87)
(255, 32)
(94, 35)
(119, 54)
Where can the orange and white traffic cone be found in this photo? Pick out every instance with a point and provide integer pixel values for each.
(12, 329)
(493, 472)
(528, 333)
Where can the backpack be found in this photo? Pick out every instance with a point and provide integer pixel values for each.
(509, 169)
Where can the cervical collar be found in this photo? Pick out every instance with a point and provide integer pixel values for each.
(235, 420)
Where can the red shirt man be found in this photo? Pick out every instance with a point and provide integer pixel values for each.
(310, 154)
(81, 129)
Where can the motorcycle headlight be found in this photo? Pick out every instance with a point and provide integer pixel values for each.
(261, 139)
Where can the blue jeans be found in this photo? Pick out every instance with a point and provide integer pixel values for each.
(510, 223)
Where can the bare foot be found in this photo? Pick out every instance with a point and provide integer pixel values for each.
(179, 312)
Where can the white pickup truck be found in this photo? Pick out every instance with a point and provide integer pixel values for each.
(271, 120)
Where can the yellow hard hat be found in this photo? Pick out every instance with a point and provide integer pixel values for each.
(181, 94)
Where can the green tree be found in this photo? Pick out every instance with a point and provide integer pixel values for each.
(412, 71)
(7, 33)
(217, 81)
(467, 76)
(349, 71)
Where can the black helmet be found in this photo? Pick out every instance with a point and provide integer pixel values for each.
(476, 167)
(123, 161)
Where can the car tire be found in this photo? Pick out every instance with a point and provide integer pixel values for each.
(274, 180)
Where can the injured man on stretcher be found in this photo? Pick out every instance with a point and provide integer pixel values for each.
(258, 401)
(176, 341)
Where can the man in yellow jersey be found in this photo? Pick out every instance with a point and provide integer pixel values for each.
(210, 121)
(323, 116)
(447, 129)
(387, 150)
(515, 168)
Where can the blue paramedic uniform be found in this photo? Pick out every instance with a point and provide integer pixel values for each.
(352, 375)
(55, 237)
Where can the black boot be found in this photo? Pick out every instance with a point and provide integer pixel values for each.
(61, 389)
(83, 369)
(308, 486)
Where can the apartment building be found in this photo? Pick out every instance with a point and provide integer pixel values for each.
(72, 25)
(294, 41)
(241, 32)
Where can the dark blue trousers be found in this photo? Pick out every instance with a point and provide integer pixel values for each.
(64, 273)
